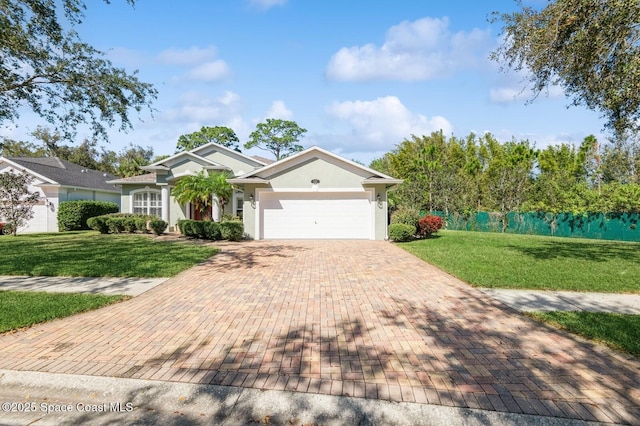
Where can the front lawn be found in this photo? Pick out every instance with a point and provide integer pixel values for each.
(23, 309)
(533, 262)
(92, 254)
(618, 331)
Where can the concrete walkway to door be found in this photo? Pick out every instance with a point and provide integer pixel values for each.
(359, 318)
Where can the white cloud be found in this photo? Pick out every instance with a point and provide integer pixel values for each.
(209, 71)
(413, 50)
(515, 87)
(192, 56)
(379, 124)
(198, 110)
(266, 4)
(279, 110)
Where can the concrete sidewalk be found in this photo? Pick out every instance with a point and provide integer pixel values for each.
(532, 300)
(520, 300)
(60, 399)
(102, 285)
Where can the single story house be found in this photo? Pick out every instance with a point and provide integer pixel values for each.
(59, 180)
(313, 194)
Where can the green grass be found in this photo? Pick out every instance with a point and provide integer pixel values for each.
(23, 309)
(533, 262)
(92, 254)
(618, 331)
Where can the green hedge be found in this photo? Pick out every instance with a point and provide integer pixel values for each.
(208, 230)
(73, 215)
(125, 222)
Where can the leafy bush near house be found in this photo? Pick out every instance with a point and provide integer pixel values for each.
(99, 223)
(120, 222)
(158, 226)
(212, 230)
(406, 216)
(429, 225)
(141, 223)
(73, 215)
(115, 224)
(401, 232)
(130, 224)
(232, 230)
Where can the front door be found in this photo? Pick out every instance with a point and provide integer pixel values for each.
(197, 214)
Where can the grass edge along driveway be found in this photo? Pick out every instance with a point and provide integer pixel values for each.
(91, 254)
(83, 254)
(546, 263)
(533, 262)
(25, 308)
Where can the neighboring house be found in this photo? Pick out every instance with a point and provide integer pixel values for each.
(313, 194)
(58, 180)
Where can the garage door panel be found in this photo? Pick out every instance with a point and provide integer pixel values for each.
(316, 216)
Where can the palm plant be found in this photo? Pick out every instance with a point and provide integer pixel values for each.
(199, 189)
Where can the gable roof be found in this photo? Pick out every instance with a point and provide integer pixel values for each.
(64, 173)
(161, 165)
(228, 151)
(195, 153)
(285, 163)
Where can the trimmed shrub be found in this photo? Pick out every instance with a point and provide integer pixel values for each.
(73, 215)
(401, 232)
(99, 223)
(115, 224)
(184, 225)
(407, 216)
(158, 226)
(212, 230)
(232, 230)
(142, 223)
(429, 225)
(130, 224)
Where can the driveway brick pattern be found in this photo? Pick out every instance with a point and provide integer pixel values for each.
(357, 318)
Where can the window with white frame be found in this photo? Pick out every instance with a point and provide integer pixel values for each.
(147, 202)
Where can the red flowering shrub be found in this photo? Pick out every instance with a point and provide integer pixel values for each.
(429, 225)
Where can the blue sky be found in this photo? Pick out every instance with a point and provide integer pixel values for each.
(360, 76)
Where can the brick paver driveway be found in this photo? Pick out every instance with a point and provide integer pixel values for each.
(359, 318)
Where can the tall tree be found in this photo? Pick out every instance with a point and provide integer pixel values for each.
(16, 201)
(279, 137)
(591, 48)
(12, 148)
(219, 134)
(508, 175)
(50, 70)
(131, 158)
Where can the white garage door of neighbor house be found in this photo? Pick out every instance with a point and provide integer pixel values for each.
(316, 215)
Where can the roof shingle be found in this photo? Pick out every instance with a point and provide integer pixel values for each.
(66, 173)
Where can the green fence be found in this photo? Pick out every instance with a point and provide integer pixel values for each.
(618, 226)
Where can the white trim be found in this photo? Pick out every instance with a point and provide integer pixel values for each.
(360, 189)
(148, 208)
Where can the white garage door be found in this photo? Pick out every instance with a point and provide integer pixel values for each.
(316, 215)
